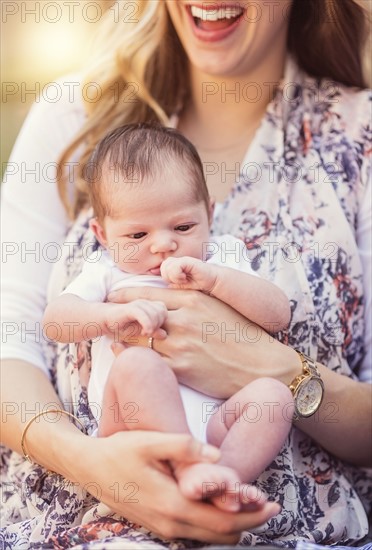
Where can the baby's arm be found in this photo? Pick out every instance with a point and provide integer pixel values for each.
(69, 318)
(257, 299)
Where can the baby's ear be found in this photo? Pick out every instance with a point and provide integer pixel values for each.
(98, 231)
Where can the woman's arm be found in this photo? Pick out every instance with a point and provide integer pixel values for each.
(207, 339)
(159, 505)
(343, 423)
(33, 224)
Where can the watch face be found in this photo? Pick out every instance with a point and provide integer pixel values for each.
(309, 397)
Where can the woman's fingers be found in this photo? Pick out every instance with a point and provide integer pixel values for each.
(227, 526)
(173, 299)
(203, 521)
(157, 502)
(159, 334)
(200, 520)
(182, 448)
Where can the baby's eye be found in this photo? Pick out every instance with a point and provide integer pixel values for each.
(184, 227)
(137, 235)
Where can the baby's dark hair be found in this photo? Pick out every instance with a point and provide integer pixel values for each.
(133, 153)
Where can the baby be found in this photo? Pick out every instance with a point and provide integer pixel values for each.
(152, 216)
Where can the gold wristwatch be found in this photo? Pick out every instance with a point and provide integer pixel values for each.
(307, 388)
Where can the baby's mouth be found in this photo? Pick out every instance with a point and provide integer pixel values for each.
(215, 18)
(155, 270)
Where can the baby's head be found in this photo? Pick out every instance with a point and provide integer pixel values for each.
(149, 197)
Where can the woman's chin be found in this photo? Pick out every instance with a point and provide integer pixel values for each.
(215, 65)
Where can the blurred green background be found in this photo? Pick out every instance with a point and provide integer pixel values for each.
(42, 40)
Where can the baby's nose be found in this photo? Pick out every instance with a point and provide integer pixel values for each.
(163, 243)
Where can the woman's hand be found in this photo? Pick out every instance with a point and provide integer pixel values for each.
(124, 467)
(130, 470)
(210, 346)
(206, 356)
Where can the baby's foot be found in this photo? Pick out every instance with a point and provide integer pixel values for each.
(214, 482)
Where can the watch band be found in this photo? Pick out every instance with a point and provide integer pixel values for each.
(308, 368)
(309, 372)
(308, 364)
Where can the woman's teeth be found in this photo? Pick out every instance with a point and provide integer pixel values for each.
(216, 15)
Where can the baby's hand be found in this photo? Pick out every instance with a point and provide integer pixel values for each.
(188, 273)
(150, 315)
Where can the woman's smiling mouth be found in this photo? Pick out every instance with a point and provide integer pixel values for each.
(212, 22)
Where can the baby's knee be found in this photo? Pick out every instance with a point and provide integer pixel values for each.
(270, 387)
(137, 363)
(269, 391)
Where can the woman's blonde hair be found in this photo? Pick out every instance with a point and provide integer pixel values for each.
(141, 68)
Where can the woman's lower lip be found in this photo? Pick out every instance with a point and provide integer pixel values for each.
(212, 36)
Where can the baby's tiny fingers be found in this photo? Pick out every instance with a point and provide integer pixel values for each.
(151, 308)
(145, 318)
(176, 275)
(158, 312)
(170, 268)
(159, 305)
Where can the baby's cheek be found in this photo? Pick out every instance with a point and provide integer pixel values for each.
(137, 260)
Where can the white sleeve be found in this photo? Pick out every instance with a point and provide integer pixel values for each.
(93, 282)
(230, 252)
(33, 218)
(364, 241)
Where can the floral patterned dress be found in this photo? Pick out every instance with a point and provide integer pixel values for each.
(297, 205)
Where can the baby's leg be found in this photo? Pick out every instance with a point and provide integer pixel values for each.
(142, 393)
(251, 427)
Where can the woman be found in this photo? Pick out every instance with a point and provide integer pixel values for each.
(235, 82)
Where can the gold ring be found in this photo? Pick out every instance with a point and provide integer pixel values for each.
(150, 342)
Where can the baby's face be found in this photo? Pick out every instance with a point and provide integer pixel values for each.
(152, 222)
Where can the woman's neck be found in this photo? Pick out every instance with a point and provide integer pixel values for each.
(222, 117)
(222, 108)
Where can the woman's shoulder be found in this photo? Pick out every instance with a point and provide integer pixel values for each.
(52, 122)
(342, 106)
(333, 111)
(338, 117)
(335, 121)
(61, 101)
(351, 105)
